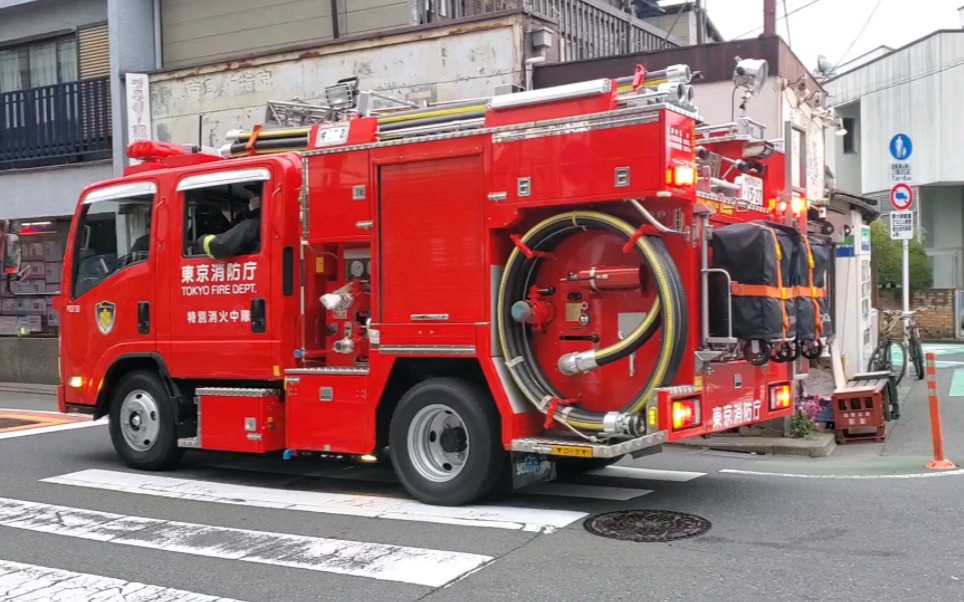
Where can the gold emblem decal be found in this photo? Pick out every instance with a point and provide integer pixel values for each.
(104, 314)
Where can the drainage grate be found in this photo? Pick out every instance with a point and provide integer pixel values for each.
(647, 525)
(6, 423)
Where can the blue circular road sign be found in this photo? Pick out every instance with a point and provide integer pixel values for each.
(901, 147)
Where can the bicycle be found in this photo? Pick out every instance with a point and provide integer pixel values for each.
(882, 359)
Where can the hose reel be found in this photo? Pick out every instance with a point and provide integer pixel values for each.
(667, 312)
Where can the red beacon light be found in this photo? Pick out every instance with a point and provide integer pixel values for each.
(156, 155)
(151, 150)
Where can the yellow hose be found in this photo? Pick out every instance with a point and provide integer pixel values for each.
(670, 318)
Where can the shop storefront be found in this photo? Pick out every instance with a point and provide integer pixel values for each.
(26, 305)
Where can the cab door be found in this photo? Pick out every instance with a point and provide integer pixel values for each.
(219, 308)
(108, 298)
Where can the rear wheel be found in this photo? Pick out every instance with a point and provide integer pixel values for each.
(143, 423)
(890, 356)
(445, 442)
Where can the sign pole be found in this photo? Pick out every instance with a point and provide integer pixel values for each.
(902, 200)
(906, 287)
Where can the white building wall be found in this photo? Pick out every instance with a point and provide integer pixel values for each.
(917, 91)
(33, 18)
(771, 107)
(431, 65)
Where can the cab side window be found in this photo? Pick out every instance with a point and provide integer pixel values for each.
(223, 221)
(113, 235)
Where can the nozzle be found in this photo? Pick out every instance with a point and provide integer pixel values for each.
(335, 301)
(578, 363)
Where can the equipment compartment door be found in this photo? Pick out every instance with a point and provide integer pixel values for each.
(431, 242)
(220, 306)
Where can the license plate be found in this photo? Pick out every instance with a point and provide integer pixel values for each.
(751, 189)
(572, 451)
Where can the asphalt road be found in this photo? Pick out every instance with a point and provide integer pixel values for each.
(224, 526)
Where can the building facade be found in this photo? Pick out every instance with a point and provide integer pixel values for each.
(914, 90)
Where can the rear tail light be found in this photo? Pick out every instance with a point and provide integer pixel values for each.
(781, 397)
(686, 413)
(681, 175)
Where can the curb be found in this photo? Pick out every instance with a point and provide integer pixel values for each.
(820, 446)
(27, 388)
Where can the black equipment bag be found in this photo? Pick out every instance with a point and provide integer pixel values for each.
(763, 300)
(822, 256)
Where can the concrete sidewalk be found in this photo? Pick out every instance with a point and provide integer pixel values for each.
(29, 389)
(18, 396)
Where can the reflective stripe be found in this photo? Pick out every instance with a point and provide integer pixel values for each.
(207, 245)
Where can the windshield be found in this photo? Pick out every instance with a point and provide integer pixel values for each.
(112, 235)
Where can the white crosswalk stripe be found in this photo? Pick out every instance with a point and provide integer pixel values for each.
(597, 492)
(647, 474)
(378, 561)
(21, 582)
(500, 517)
(529, 511)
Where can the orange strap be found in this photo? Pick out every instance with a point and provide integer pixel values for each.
(761, 290)
(817, 320)
(783, 294)
(806, 292)
(738, 289)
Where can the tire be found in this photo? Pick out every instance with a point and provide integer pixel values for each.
(882, 359)
(143, 423)
(917, 355)
(572, 467)
(429, 463)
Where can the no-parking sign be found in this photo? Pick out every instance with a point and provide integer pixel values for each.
(901, 197)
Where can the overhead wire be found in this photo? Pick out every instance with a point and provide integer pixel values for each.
(859, 33)
(669, 31)
(785, 15)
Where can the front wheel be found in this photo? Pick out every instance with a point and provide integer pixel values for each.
(445, 442)
(917, 356)
(143, 423)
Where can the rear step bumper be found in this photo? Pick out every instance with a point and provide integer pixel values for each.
(572, 447)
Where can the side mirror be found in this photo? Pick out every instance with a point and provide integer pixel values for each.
(10, 256)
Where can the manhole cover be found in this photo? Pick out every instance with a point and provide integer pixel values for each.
(647, 525)
(6, 423)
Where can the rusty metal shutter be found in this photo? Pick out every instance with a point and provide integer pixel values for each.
(94, 52)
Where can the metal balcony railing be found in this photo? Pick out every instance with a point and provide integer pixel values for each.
(587, 28)
(63, 123)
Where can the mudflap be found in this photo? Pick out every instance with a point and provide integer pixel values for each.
(530, 468)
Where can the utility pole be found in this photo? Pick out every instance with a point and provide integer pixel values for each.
(769, 18)
(700, 23)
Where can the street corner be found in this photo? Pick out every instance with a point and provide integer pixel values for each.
(19, 421)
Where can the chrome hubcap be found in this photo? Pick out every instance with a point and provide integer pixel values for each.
(438, 443)
(140, 420)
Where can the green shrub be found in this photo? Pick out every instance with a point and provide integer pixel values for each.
(888, 256)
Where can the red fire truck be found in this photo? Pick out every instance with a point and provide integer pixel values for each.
(482, 293)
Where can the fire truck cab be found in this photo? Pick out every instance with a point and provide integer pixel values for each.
(492, 291)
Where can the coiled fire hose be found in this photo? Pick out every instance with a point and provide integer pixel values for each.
(668, 311)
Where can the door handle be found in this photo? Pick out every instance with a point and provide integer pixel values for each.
(258, 315)
(144, 317)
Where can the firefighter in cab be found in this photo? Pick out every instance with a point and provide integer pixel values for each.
(242, 239)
